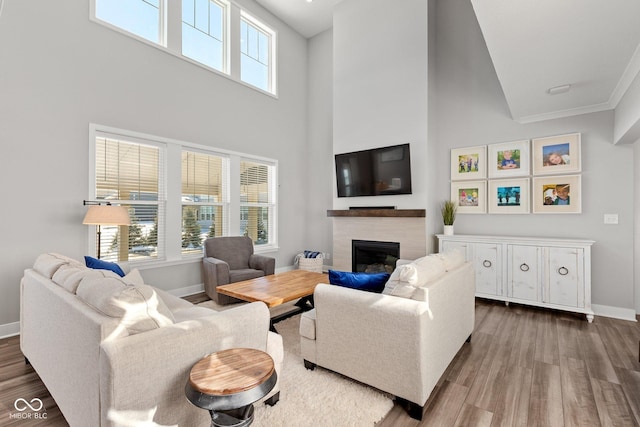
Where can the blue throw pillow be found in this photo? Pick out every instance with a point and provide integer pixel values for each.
(103, 265)
(370, 282)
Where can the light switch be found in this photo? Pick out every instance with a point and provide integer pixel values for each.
(610, 218)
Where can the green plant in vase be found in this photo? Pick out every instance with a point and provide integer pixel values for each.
(448, 210)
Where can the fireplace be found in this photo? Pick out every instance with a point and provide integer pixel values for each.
(370, 256)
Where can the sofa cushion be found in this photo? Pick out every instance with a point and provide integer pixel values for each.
(103, 265)
(47, 264)
(69, 276)
(370, 282)
(140, 307)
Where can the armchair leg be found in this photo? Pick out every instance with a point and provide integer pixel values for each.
(469, 339)
(273, 399)
(413, 409)
(309, 365)
(26, 361)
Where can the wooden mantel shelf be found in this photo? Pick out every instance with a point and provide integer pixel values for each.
(384, 213)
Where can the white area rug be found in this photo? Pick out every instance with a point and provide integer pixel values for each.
(318, 398)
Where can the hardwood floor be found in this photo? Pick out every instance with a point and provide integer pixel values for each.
(534, 367)
(524, 367)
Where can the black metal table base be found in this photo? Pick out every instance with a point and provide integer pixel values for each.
(239, 417)
(303, 304)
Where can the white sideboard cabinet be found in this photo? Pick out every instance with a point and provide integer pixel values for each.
(545, 272)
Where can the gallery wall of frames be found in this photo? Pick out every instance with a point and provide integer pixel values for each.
(541, 175)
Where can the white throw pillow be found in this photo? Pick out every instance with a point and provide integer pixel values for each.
(422, 271)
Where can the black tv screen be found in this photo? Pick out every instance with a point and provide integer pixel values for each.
(376, 172)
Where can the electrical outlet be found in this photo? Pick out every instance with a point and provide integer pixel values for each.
(327, 255)
(610, 218)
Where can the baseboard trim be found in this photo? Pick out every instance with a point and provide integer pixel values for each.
(9, 330)
(614, 312)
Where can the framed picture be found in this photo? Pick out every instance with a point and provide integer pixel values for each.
(509, 196)
(468, 163)
(508, 159)
(470, 195)
(557, 194)
(556, 154)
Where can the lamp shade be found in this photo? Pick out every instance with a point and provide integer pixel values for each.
(107, 215)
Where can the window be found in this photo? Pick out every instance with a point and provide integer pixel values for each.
(128, 173)
(255, 48)
(257, 206)
(212, 193)
(141, 17)
(203, 32)
(205, 199)
(202, 35)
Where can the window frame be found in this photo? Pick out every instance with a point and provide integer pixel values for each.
(170, 233)
(171, 40)
(272, 37)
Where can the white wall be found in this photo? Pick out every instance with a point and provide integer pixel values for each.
(320, 144)
(380, 82)
(471, 110)
(60, 72)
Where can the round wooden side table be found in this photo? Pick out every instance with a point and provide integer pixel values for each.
(228, 382)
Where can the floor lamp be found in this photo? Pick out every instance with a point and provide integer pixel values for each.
(104, 213)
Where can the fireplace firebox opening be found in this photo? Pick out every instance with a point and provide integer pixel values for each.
(370, 256)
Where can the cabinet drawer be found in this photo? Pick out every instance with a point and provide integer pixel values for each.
(523, 272)
(565, 276)
(486, 261)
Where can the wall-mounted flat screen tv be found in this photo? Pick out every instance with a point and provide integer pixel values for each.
(376, 172)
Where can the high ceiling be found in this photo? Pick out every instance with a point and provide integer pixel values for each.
(590, 47)
(307, 18)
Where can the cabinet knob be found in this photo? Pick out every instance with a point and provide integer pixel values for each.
(524, 267)
(486, 263)
(563, 271)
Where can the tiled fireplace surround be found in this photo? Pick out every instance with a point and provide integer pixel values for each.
(406, 226)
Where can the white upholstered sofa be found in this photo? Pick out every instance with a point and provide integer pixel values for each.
(115, 352)
(400, 341)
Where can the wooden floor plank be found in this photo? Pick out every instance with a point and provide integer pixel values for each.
(512, 407)
(547, 340)
(630, 382)
(524, 344)
(446, 405)
(473, 416)
(545, 405)
(612, 405)
(578, 402)
(596, 357)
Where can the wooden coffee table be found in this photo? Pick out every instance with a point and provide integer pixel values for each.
(276, 289)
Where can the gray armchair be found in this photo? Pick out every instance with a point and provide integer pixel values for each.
(231, 259)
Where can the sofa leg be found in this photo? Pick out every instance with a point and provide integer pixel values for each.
(273, 399)
(26, 361)
(469, 339)
(413, 409)
(309, 365)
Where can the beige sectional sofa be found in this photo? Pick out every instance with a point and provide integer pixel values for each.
(113, 351)
(400, 341)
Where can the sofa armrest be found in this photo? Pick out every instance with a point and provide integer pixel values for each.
(215, 272)
(262, 262)
(144, 375)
